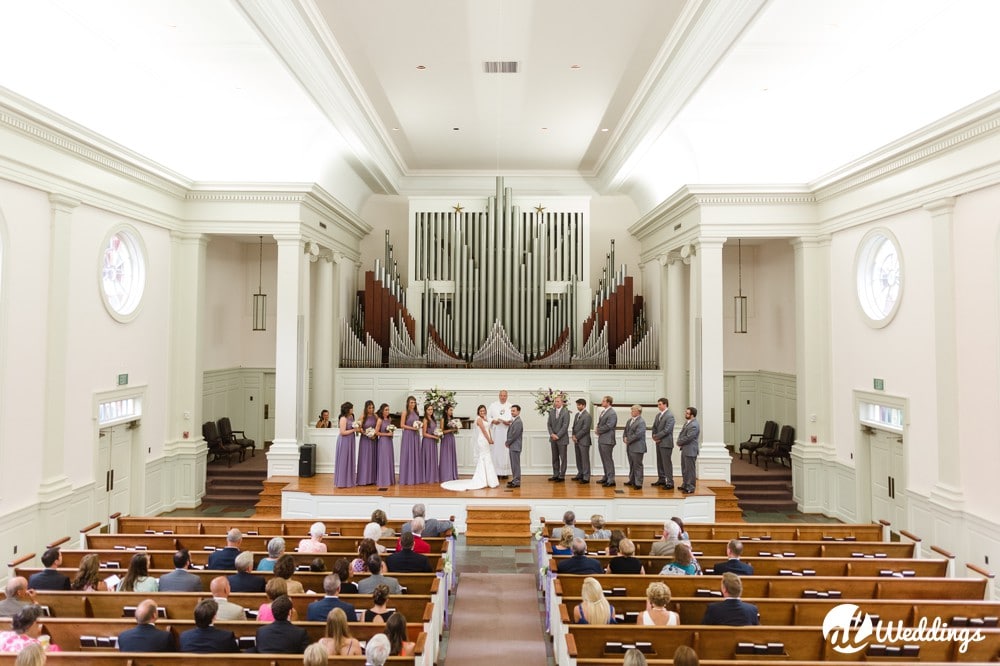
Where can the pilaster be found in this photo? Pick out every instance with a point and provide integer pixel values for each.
(323, 349)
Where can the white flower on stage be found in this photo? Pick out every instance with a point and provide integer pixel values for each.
(370, 432)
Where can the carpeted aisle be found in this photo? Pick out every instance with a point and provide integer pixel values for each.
(496, 620)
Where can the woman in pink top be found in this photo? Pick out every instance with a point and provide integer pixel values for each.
(275, 588)
(314, 544)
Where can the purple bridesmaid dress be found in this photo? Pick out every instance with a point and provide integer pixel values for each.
(449, 458)
(429, 455)
(343, 464)
(366, 454)
(409, 449)
(385, 460)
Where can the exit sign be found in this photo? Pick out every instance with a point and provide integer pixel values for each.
(123, 379)
(879, 384)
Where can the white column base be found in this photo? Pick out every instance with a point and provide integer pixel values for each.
(54, 489)
(185, 462)
(809, 476)
(948, 496)
(283, 458)
(714, 461)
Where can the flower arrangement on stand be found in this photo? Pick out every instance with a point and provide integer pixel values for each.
(440, 399)
(545, 400)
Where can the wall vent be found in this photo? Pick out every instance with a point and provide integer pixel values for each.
(501, 67)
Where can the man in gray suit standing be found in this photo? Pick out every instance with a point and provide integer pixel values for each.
(663, 436)
(634, 438)
(688, 441)
(558, 427)
(607, 421)
(514, 432)
(581, 441)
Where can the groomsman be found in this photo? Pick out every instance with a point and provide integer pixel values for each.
(558, 427)
(513, 444)
(581, 441)
(607, 421)
(687, 440)
(663, 436)
(635, 446)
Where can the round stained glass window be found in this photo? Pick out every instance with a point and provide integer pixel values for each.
(123, 274)
(880, 277)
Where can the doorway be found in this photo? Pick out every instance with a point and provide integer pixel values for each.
(888, 477)
(114, 468)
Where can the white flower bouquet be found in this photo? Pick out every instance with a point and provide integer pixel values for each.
(545, 400)
(370, 433)
(390, 428)
(356, 425)
(455, 424)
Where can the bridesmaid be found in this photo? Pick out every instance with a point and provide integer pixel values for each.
(448, 467)
(409, 448)
(343, 465)
(385, 460)
(366, 446)
(429, 447)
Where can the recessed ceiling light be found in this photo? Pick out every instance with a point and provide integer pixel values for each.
(574, 66)
(545, 129)
(395, 129)
(421, 66)
(454, 129)
(604, 129)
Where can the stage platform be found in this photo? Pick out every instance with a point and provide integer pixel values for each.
(317, 497)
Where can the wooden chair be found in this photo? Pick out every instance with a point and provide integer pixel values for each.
(780, 449)
(757, 440)
(217, 447)
(228, 436)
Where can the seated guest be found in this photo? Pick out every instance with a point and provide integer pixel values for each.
(243, 581)
(18, 596)
(374, 532)
(366, 549)
(669, 539)
(314, 544)
(379, 517)
(378, 650)
(407, 561)
(683, 535)
(338, 639)
(49, 579)
(281, 636)
(180, 579)
(683, 564)
(343, 569)
(88, 576)
(565, 544)
(734, 549)
(318, 610)
(656, 613)
(227, 611)
(24, 630)
(275, 549)
(275, 588)
(569, 524)
(685, 656)
(32, 654)
(626, 562)
(137, 579)
(317, 565)
(226, 557)
(600, 533)
(285, 568)
(145, 637)
(614, 540)
(731, 610)
(416, 529)
(594, 609)
(634, 658)
(579, 563)
(204, 637)
(315, 655)
(395, 631)
(375, 578)
(379, 612)
(433, 527)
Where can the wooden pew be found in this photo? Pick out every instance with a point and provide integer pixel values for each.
(818, 566)
(105, 658)
(709, 548)
(196, 542)
(746, 531)
(286, 527)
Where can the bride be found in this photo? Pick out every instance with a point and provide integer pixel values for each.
(485, 473)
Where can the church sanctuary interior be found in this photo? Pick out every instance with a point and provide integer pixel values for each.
(779, 211)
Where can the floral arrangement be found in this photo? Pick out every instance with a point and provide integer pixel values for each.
(356, 425)
(370, 433)
(545, 400)
(440, 399)
(455, 424)
(538, 533)
(390, 428)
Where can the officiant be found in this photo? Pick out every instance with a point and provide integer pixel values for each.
(499, 416)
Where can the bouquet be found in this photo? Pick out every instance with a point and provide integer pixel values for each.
(356, 425)
(390, 428)
(370, 433)
(455, 424)
(545, 400)
(440, 399)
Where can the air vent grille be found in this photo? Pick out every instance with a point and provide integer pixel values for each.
(501, 67)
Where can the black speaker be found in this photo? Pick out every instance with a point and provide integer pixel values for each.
(307, 460)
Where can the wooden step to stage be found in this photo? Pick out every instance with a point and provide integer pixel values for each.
(498, 525)
(269, 500)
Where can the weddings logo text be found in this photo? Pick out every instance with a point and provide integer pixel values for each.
(849, 628)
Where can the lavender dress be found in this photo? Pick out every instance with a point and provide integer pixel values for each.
(343, 464)
(385, 460)
(429, 454)
(366, 454)
(448, 466)
(409, 450)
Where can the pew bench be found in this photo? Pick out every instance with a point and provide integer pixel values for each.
(787, 549)
(258, 544)
(106, 658)
(286, 527)
(746, 531)
(804, 566)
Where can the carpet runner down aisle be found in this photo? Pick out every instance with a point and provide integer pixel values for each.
(496, 621)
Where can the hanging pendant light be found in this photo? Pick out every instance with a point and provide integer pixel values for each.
(260, 299)
(740, 301)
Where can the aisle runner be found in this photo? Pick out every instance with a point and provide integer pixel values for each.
(496, 620)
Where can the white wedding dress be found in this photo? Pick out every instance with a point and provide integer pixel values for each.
(486, 475)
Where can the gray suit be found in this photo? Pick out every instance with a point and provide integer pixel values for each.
(559, 426)
(635, 446)
(663, 435)
(180, 580)
(514, 433)
(367, 585)
(581, 447)
(11, 607)
(688, 441)
(607, 421)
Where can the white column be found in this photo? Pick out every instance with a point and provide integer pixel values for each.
(55, 484)
(714, 460)
(676, 334)
(323, 349)
(184, 450)
(948, 489)
(812, 362)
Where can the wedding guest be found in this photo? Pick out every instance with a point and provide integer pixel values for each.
(88, 575)
(343, 569)
(367, 445)
(409, 448)
(385, 458)
(324, 419)
(378, 516)
(395, 630)
(657, 613)
(634, 657)
(275, 549)
(594, 609)
(379, 612)
(32, 654)
(565, 544)
(683, 564)
(429, 447)
(285, 568)
(315, 655)
(138, 579)
(338, 639)
(24, 630)
(343, 470)
(685, 655)
(626, 562)
(448, 465)
(614, 541)
(314, 544)
(276, 587)
(366, 549)
(600, 532)
(374, 532)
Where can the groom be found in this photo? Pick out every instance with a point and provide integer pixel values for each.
(513, 443)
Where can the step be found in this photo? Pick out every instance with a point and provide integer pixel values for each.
(765, 494)
(226, 475)
(769, 505)
(249, 491)
(248, 498)
(729, 516)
